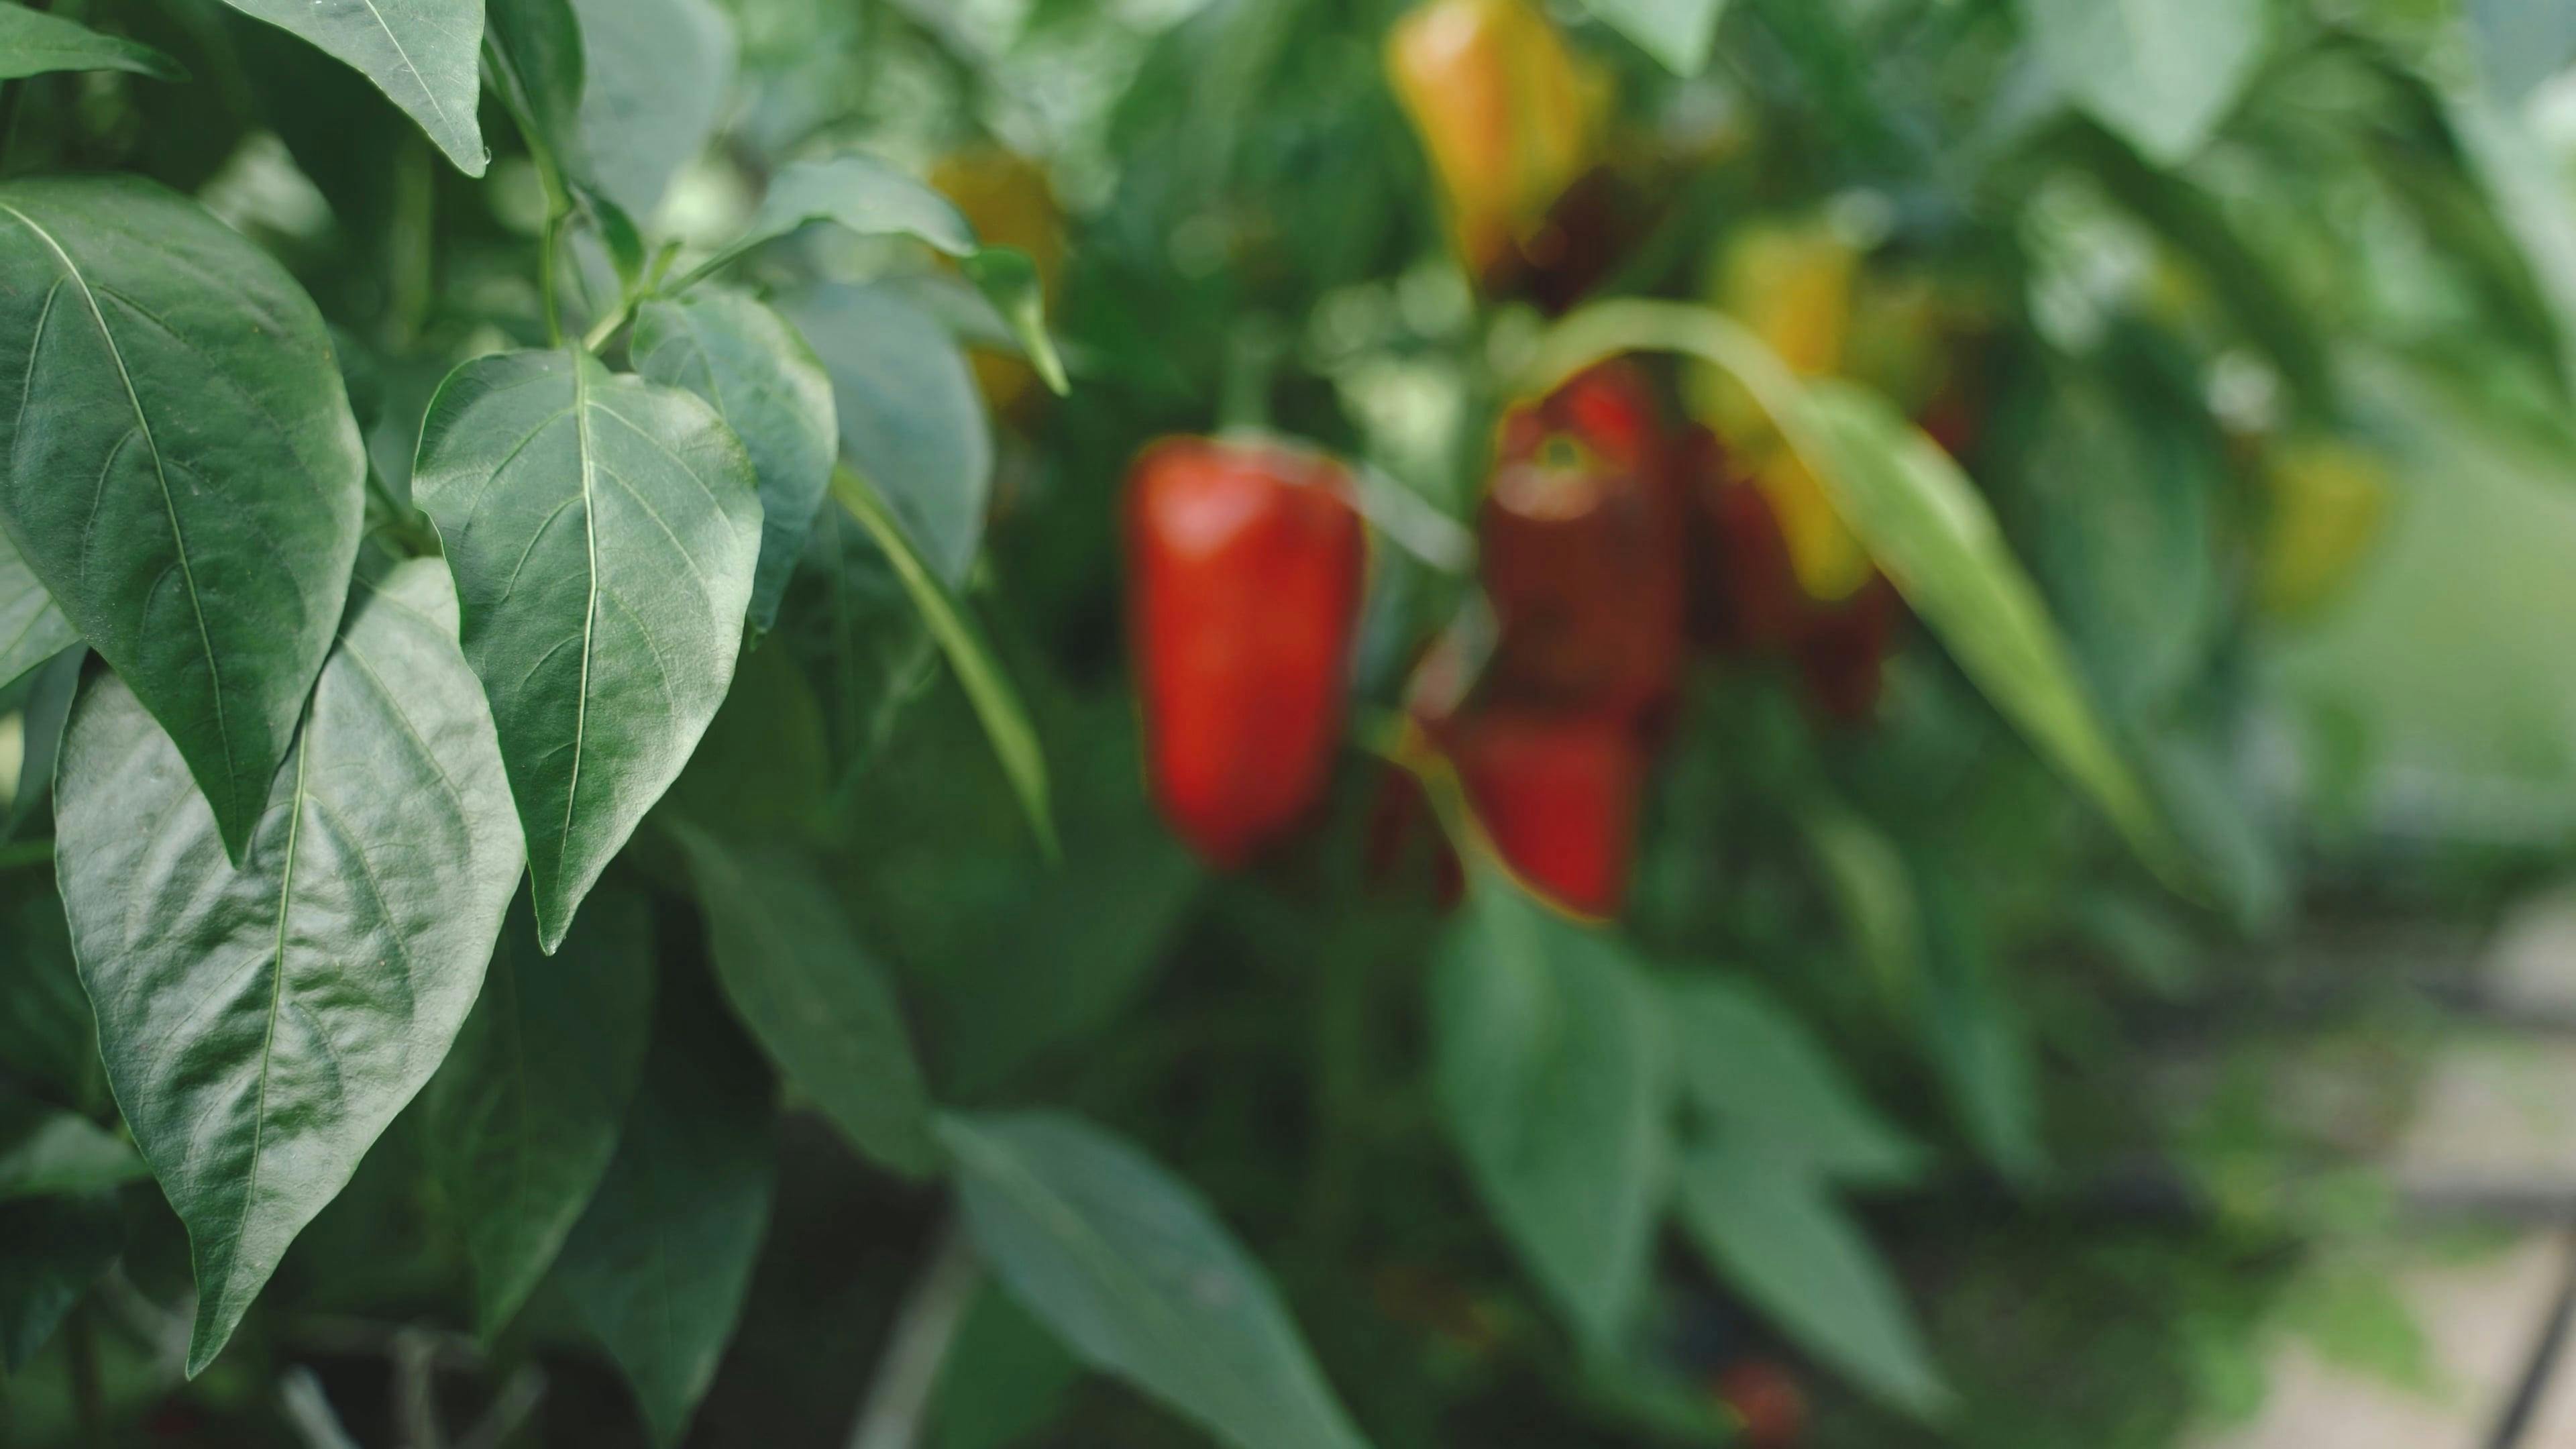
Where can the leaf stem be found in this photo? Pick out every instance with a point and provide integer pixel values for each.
(924, 1329)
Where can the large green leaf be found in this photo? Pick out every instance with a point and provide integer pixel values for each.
(1754, 1070)
(1552, 1069)
(659, 1264)
(1777, 1235)
(51, 1251)
(603, 531)
(422, 53)
(770, 387)
(911, 419)
(34, 43)
(535, 49)
(183, 473)
(1138, 1278)
(1676, 32)
(261, 1025)
(816, 998)
(525, 1115)
(1928, 528)
(655, 74)
(32, 629)
(2162, 73)
(45, 1151)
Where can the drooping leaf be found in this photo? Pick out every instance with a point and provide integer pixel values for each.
(51, 1251)
(32, 629)
(770, 387)
(1139, 1279)
(1677, 33)
(1976, 1040)
(423, 54)
(537, 69)
(183, 476)
(911, 420)
(45, 1151)
(988, 689)
(659, 1264)
(261, 1025)
(1551, 1067)
(814, 997)
(1757, 1073)
(2162, 73)
(655, 73)
(1009, 280)
(35, 43)
(603, 531)
(526, 1112)
(1776, 1234)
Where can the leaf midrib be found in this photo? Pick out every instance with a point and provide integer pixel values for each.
(590, 603)
(160, 474)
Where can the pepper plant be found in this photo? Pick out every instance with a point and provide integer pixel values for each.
(581, 806)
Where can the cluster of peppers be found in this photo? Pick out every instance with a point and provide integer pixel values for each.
(1612, 548)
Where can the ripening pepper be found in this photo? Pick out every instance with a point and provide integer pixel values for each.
(1508, 116)
(1245, 564)
(2325, 504)
(1582, 550)
(1744, 593)
(1557, 793)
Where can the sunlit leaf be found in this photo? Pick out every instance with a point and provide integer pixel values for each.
(423, 54)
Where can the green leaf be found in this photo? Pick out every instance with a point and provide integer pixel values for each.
(603, 532)
(988, 689)
(659, 1264)
(2162, 73)
(814, 997)
(51, 1251)
(655, 73)
(2529, 196)
(1927, 527)
(183, 379)
(49, 703)
(858, 193)
(35, 43)
(1139, 1279)
(47, 1034)
(421, 53)
(535, 48)
(44, 1152)
(1009, 280)
(1760, 1077)
(1677, 33)
(1004, 1379)
(525, 1114)
(1776, 1234)
(1552, 1070)
(771, 389)
(911, 419)
(254, 1064)
(2522, 43)
(1977, 1043)
(32, 629)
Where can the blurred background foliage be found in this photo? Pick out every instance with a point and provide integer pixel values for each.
(2254, 322)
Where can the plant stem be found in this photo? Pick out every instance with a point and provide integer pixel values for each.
(924, 1328)
(547, 247)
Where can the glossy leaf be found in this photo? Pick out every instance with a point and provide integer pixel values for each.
(1754, 1070)
(815, 998)
(422, 53)
(1139, 1279)
(655, 73)
(33, 42)
(1778, 1237)
(1551, 1068)
(771, 389)
(32, 629)
(997, 705)
(51, 1251)
(659, 1264)
(911, 420)
(253, 1063)
(525, 1115)
(1010, 281)
(1677, 33)
(603, 532)
(183, 475)
(2162, 73)
(45, 1151)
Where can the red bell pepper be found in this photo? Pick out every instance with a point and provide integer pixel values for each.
(1558, 795)
(1245, 564)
